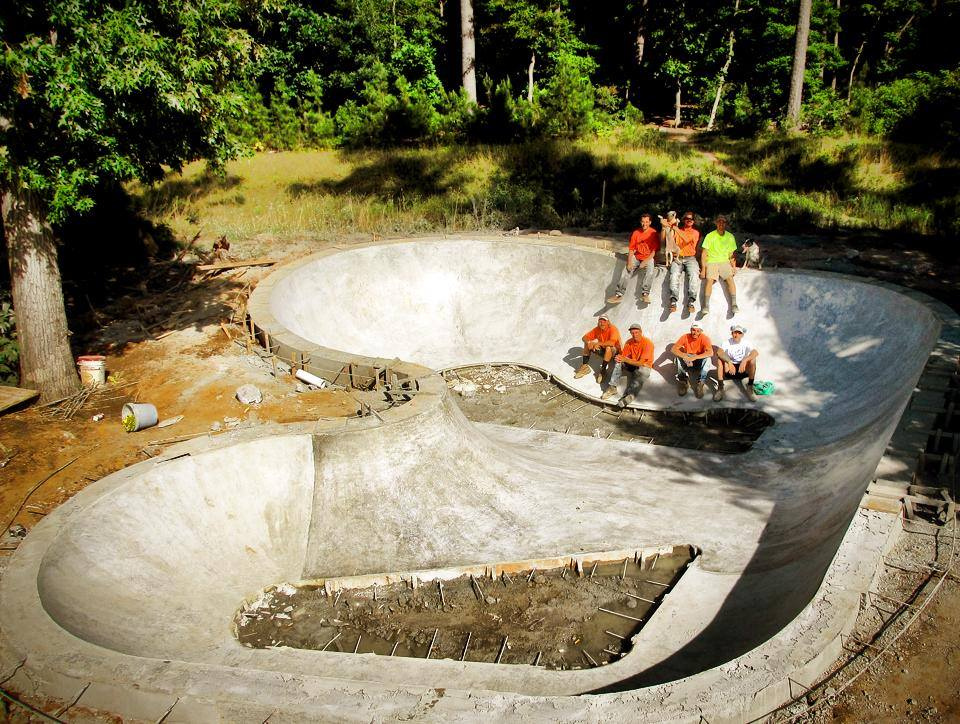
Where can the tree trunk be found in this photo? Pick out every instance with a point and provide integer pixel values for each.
(533, 62)
(676, 118)
(799, 63)
(853, 68)
(46, 363)
(836, 45)
(724, 70)
(468, 50)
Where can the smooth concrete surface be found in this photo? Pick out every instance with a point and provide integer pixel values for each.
(132, 585)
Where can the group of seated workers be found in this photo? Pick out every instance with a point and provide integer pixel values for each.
(693, 353)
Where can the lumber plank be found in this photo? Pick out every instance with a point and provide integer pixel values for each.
(12, 396)
(262, 261)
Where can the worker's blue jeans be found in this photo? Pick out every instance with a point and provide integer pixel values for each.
(698, 369)
(689, 265)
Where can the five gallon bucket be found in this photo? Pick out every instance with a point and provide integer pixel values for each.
(137, 416)
(93, 369)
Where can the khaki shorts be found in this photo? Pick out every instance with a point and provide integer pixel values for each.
(723, 270)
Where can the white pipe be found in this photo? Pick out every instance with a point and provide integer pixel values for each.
(310, 379)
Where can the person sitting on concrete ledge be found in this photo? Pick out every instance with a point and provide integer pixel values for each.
(693, 352)
(604, 341)
(718, 262)
(736, 360)
(688, 238)
(635, 361)
(644, 243)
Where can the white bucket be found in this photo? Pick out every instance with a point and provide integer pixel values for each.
(93, 369)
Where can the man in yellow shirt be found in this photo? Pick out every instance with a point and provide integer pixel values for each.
(717, 262)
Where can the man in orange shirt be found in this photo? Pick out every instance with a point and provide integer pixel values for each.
(693, 352)
(635, 361)
(686, 261)
(604, 341)
(644, 243)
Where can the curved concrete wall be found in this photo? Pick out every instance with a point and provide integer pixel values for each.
(139, 575)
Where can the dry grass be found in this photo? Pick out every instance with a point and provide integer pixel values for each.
(793, 184)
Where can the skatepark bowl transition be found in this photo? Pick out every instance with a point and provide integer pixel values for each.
(130, 589)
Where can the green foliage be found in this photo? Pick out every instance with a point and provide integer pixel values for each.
(568, 98)
(921, 105)
(388, 116)
(94, 91)
(9, 351)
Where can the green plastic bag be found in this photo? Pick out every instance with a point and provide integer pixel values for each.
(763, 388)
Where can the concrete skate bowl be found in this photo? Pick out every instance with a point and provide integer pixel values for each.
(133, 584)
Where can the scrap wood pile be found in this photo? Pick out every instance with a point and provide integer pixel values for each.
(67, 407)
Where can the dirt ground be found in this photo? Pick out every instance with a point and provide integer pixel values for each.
(165, 345)
(509, 395)
(552, 618)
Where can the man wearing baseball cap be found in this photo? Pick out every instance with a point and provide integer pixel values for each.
(736, 360)
(693, 352)
(635, 361)
(604, 341)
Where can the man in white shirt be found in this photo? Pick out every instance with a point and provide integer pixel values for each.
(736, 360)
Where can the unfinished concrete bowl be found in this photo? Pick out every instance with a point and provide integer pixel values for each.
(131, 586)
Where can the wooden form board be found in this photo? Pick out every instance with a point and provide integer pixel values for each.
(12, 396)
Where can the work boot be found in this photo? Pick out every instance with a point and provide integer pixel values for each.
(682, 386)
(751, 393)
(691, 307)
(645, 298)
(673, 304)
(698, 389)
(626, 400)
(615, 299)
(718, 395)
(608, 393)
(582, 372)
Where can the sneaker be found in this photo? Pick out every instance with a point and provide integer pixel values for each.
(626, 400)
(645, 298)
(582, 372)
(615, 299)
(751, 394)
(698, 389)
(718, 395)
(691, 308)
(599, 378)
(734, 309)
(608, 393)
(682, 386)
(704, 310)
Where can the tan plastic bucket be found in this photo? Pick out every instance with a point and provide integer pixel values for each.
(93, 369)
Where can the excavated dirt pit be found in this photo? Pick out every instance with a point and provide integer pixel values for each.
(550, 618)
(513, 395)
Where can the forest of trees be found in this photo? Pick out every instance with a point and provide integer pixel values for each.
(101, 92)
(358, 72)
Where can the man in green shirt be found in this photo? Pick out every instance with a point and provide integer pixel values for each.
(717, 262)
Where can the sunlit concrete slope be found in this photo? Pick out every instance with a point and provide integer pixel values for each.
(835, 348)
(134, 582)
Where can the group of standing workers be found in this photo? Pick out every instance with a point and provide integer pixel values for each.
(693, 352)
